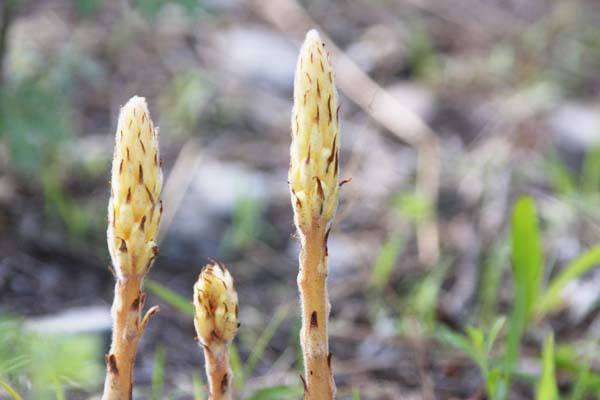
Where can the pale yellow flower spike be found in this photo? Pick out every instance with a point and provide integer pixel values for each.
(315, 145)
(134, 212)
(134, 209)
(215, 304)
(313, 178)
(216, 322)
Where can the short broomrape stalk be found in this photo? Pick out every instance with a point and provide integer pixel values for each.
(313, 179)
(134, 213)
(216, 322)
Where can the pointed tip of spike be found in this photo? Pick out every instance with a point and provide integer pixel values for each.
(134, 100)
(313, 34)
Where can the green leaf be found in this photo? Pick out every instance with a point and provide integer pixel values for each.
(546, 387)
(174, 299)
(277, 392)
(494, 332)
(477, 339)
(526, 252)
(455, 340)
(551, 298)
(527, 275)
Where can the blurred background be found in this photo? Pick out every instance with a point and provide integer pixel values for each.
(441, 288)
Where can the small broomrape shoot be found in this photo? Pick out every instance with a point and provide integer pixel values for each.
(313, 179)
(215, 319)
(134, 213)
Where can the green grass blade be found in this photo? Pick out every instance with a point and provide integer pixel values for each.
(590, 172)
(264, 339)
(526, 251)
(236, 367)
(197, 387)
(158, 373)
(493, 333)
(561, 178)
(527, 275)
(551, 298)
(356, 394)
(246, 224)
(382, 269)
(14, 364)
(456, 340)
(277, 392)
(546, 387)
(11, 392)
(169, 296)
(491, 280)
(581, 383)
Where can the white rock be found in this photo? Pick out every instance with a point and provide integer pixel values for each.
(576, 126)
(255, 52)
(75, 320)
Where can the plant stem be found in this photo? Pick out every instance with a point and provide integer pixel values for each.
(128, 327)
(312, 283)
(217, 371)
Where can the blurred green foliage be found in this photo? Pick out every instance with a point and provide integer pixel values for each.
(36, 127)
(47, 363)
(413, 205)
(87, 7)
(246, 226)
(422, 60)
(384, 263)
(34, 122)
(182, 101)
(533, 300)
(479, 346)
(151, 8)
(419, 305)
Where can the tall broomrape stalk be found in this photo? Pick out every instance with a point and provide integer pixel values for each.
(313, 179)
(215, 319)
(134, 213)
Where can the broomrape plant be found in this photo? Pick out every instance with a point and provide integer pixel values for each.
(313, 180)
(215, 319)
(134, 213)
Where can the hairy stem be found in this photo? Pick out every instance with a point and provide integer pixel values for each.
(128, 327)
(217, 371)
(312, 282)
